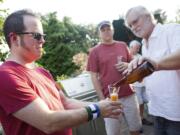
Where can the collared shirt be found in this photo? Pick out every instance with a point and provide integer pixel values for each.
(163, 87)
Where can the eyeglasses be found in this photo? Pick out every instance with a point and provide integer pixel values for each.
(35, 35)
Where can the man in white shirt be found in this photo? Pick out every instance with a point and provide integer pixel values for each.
(161, 46)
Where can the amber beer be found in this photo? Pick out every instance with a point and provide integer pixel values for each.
(114, 96)
(143, 70)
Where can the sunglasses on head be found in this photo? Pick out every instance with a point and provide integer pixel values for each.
(35, 35)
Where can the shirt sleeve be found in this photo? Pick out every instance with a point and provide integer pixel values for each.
(15, 93)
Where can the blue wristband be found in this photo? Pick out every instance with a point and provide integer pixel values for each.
(95, 111)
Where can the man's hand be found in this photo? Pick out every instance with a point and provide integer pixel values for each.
(121, 66)
(110, 109)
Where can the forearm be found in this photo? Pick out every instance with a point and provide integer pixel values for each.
(59, 120)
(74, 104)
(38, 115)
(70, 103)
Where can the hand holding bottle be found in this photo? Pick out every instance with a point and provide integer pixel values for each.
(137, 74)
(138, 61)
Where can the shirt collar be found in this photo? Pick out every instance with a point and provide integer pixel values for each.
(155, 33)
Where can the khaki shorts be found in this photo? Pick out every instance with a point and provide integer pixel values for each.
(130, 119)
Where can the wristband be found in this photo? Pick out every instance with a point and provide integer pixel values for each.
(93, 111)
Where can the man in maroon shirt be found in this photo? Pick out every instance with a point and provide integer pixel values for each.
(30, 103)
(106, 62)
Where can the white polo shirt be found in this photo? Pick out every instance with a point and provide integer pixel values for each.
(163, 87)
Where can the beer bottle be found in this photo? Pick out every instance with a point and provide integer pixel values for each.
(143, 70)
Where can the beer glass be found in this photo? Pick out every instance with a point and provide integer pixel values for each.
(113, 92)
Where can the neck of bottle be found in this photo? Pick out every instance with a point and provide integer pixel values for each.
(120, 82)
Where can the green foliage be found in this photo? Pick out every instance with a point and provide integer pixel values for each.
(3, 14)
(62, 77)
(3, 46)
(64, 40)
(4, 50)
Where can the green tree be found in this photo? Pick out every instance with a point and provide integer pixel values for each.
(3, 46)
(64, 40)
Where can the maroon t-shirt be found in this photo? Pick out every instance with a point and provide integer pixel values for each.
(19, 86)
(102, 60)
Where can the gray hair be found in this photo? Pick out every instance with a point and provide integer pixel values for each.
(133, 43)
(141, 11)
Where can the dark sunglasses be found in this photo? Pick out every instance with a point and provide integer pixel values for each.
(35, 35)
